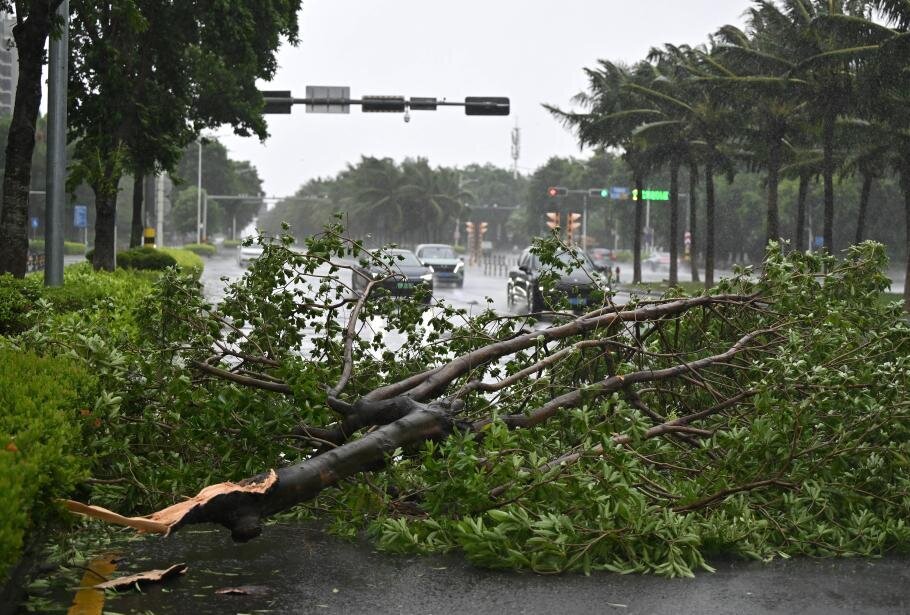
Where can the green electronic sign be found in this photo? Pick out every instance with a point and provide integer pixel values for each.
(651, 195)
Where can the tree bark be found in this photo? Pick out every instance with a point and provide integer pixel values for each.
(863, 207)
(907, 242)
(674, 222)
(709, 224)
(636, 241)
(105, 226)
(136, 224)
(693, 220)
(828, 173)
(800, 235)
(30, 36)
(773, 221)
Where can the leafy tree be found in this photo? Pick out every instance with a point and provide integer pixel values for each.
(149, 75)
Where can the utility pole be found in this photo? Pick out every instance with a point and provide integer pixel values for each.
(516, 150)
(56, 150)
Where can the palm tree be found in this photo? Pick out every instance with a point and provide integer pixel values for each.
(613, 112)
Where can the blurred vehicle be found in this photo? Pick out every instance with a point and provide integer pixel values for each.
(576, 282)
(447, 266)
(601, 258)
(657, 260)
(406, 276)
(247, 254)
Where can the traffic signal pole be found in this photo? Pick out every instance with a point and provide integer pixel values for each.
(56, 150)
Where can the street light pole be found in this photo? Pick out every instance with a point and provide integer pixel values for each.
(56, 150)
(199, 194)
(584, 222)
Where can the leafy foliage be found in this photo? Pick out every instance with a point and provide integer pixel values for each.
(47, 407)
(145, 258)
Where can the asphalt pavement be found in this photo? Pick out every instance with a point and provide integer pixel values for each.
(300, 569)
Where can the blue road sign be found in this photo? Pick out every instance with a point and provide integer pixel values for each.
(80, 216)
(619, 193)
(34, 222)
(819, 241)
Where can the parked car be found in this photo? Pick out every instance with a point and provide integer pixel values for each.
(247, 254)
(406, 276)
(447, 266)
(577, 282)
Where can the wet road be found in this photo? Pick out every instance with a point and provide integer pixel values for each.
(299, 569)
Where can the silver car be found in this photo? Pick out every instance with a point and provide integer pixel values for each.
(447, 266)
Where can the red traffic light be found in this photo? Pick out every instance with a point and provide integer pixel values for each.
(554, 191)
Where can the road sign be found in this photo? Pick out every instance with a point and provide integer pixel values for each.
(277, 101)
(80, 216)
(819, 241)
(34, 222)
(651, 195)
(333, 92)
(687, 238)
(619, 193)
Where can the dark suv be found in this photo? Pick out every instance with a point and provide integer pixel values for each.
(408, 275)
(576, 282)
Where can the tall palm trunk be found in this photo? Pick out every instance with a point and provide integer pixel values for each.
(693, 219)
(799, 239)
(639, 223)
(828, 172)
(709, 223)
(674, 221)
(30, 36)
(773, 182)
(863, 206)
(136, 224)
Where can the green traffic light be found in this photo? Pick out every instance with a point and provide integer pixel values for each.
(604, 193)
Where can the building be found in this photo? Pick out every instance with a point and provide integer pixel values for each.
(9, 64)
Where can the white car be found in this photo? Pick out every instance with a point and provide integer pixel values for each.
(247, 254)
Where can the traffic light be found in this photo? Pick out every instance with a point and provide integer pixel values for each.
(486, 105)
(382, 104)
(470, 227)
(599, 193)
(573, 223)
(483, 228)
(553, 219)
(554, 191)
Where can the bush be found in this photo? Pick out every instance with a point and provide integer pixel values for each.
(45, 402)
(188, 262)
(17, 300)
(202, 249)
(230, 244)
(145, 258)
(71, 248)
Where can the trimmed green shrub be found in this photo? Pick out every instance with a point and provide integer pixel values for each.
(72, 248)
(202, 249)
(145, 258)
(46, 403)
(18, 297)
(188, 262)
(230, 244)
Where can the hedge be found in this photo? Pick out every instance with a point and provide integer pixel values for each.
(188, 262)
(46, 404)
(230, 244)
(202, 249)
(145, 258)
(71, 248)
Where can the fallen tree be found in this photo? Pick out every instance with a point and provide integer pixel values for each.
(767, 417)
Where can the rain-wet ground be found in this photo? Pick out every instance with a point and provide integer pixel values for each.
(297, 568)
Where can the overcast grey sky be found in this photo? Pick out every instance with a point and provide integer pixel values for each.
(530, 50)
